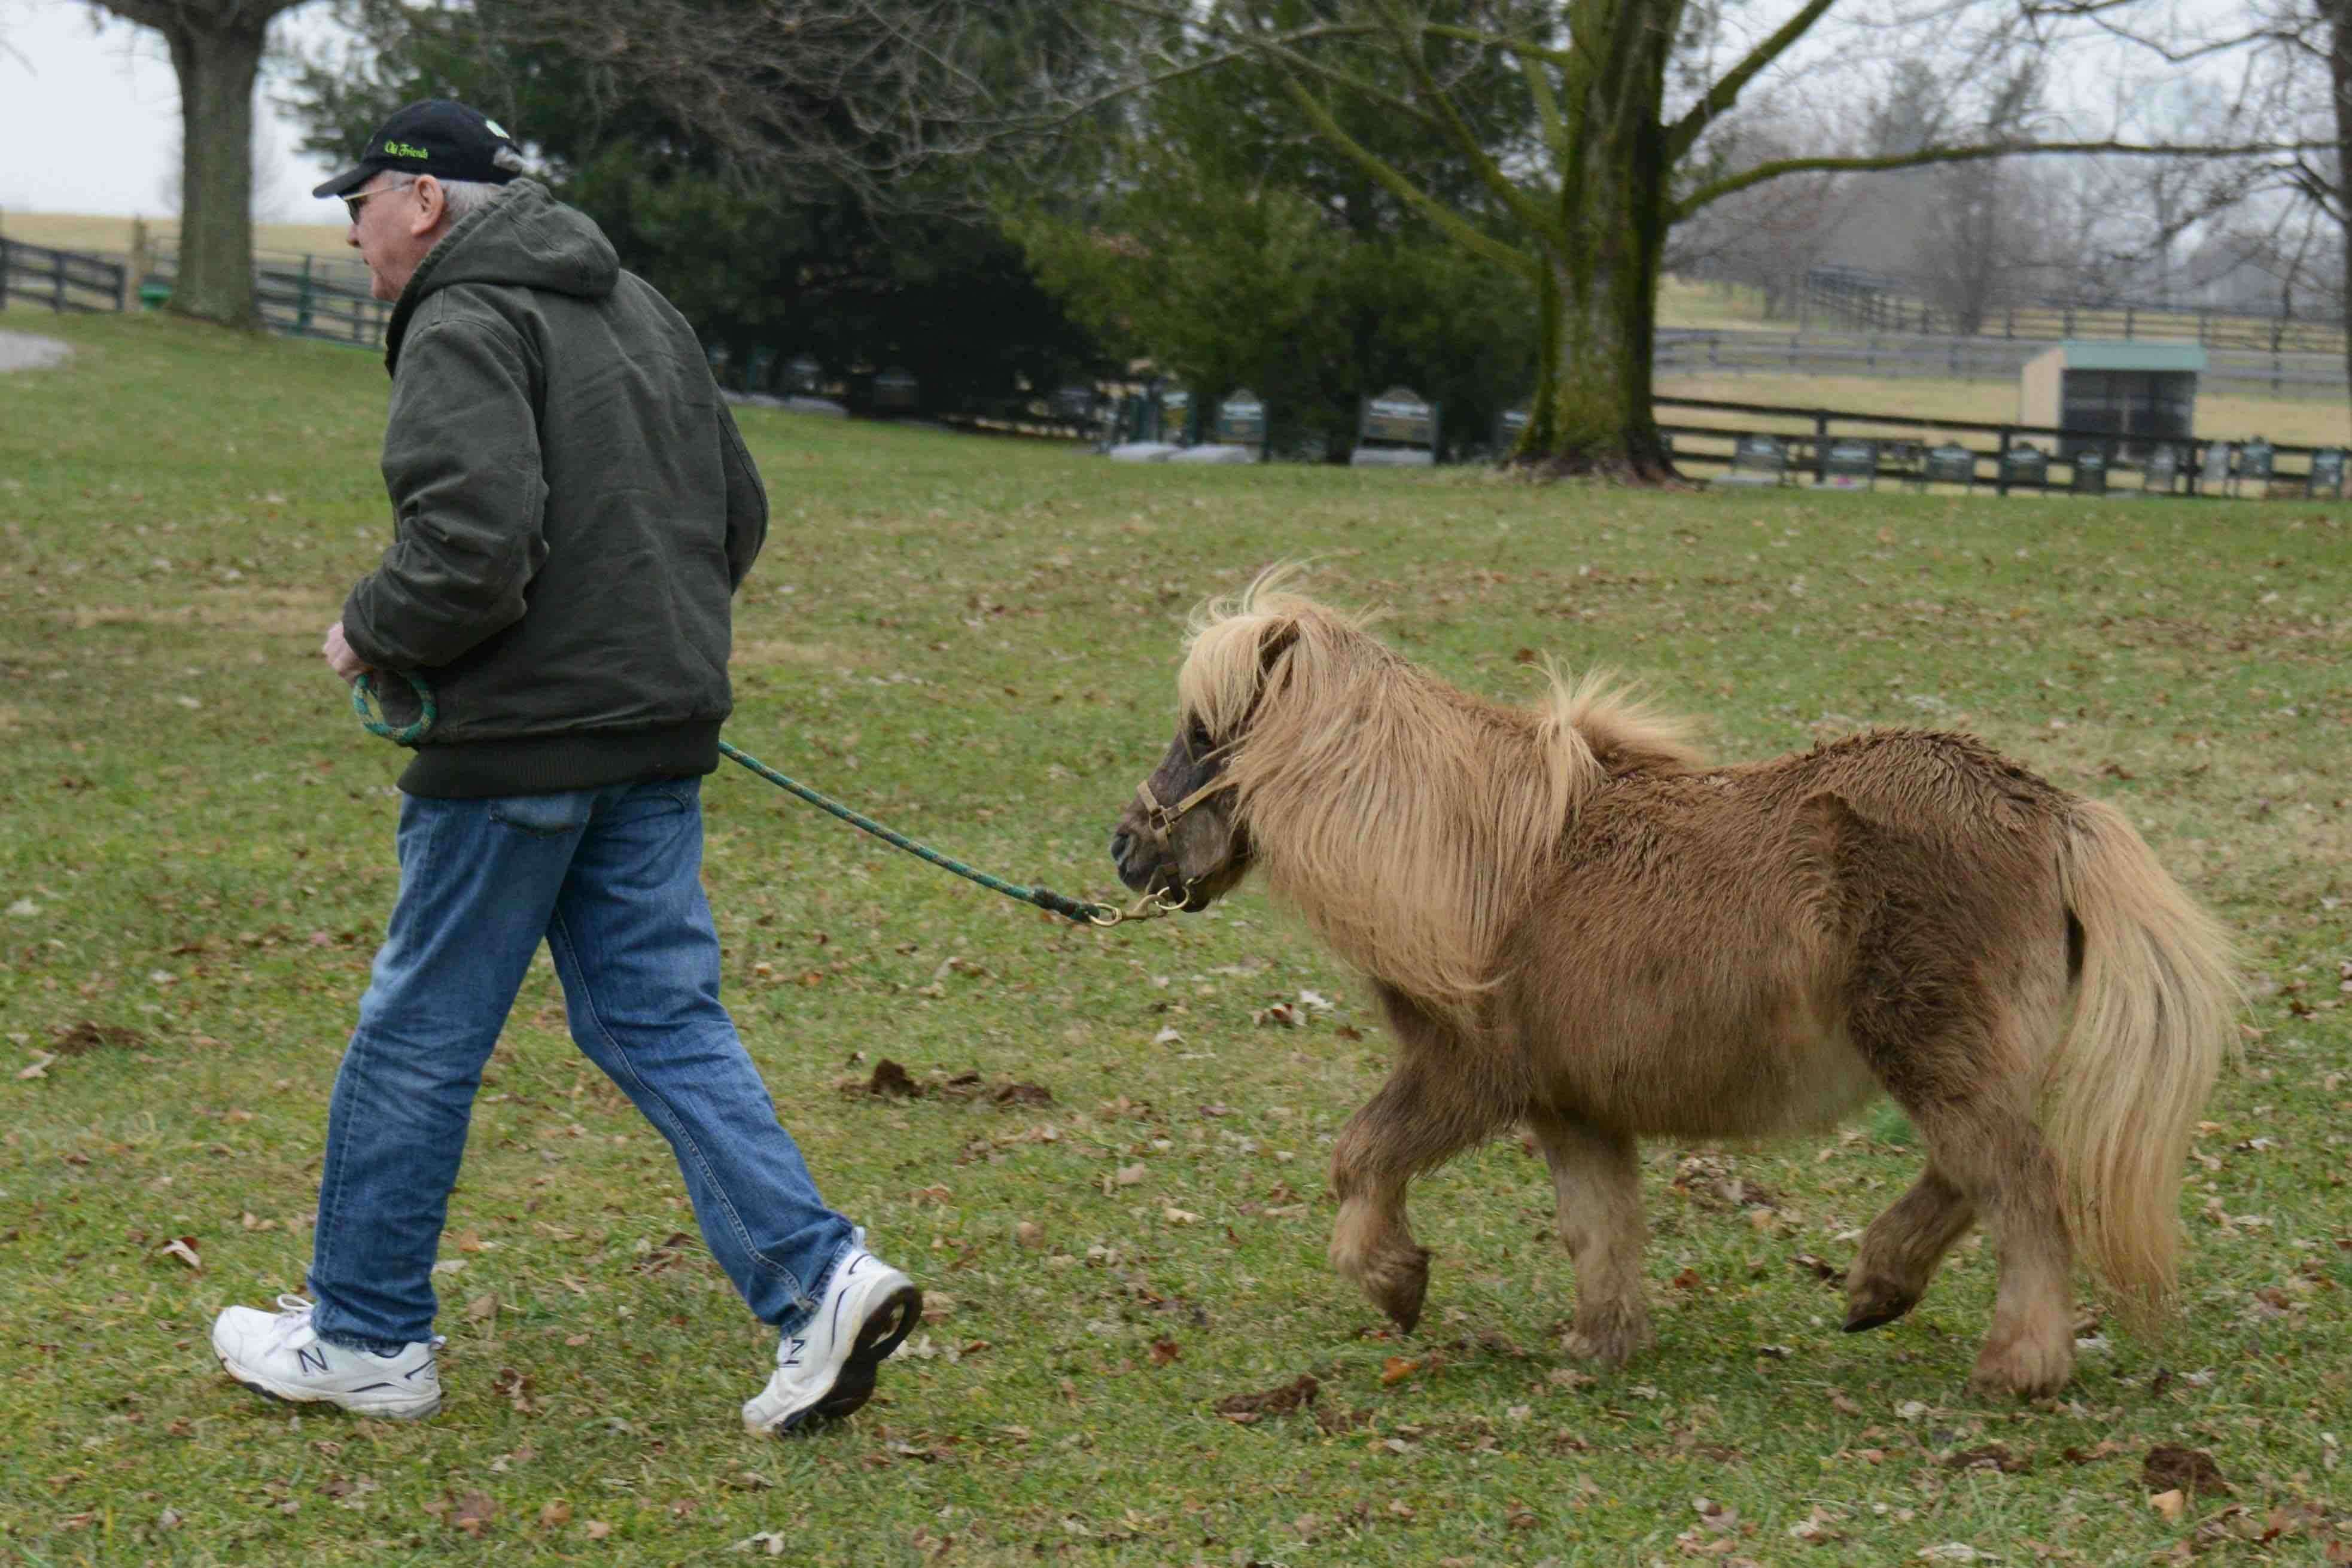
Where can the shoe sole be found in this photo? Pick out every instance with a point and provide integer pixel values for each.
(282, 1397)
(885, 1328)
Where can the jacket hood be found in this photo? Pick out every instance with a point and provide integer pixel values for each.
(525, 238)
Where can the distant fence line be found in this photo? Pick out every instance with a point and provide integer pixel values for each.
(297, 295)
(1685, 352)
(63, 280)
(1877, 303)
(1903, 441)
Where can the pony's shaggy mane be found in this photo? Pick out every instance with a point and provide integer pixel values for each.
(1406, 819)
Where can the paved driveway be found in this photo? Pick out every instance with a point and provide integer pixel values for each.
(24, 352)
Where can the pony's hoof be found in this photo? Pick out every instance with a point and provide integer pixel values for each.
(1398, 1288)
(2024, 1371)
(1875, 1303)
(1610, 1341)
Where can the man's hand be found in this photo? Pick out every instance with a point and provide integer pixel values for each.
(340, 657)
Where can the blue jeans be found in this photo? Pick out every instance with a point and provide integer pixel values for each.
(611, 878)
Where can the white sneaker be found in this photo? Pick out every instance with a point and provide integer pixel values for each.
(827, 1370)
(278, 1355)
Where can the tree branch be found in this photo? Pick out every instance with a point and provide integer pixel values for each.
(1458, 228)
(1725, 91)
(1774, 170)
(1514, 199)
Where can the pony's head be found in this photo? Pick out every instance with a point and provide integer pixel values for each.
(1184, 832)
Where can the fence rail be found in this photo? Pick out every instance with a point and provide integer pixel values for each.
(1713, 353)
(60, 279)
(302, 296)
(1877, 303)
(1903, 439)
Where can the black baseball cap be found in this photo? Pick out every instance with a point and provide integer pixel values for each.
(439, 137)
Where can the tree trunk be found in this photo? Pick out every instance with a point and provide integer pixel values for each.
(1599, 292)
(2340, 72)
(217, 62)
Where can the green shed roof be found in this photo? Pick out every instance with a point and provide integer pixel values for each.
(2132, 354)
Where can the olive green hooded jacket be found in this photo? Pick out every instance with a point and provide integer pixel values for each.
(573, 510)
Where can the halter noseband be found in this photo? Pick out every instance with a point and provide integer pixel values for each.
(1161, 819)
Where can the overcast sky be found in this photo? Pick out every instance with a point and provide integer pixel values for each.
(89, 119)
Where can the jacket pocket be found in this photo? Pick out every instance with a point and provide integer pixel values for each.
(545, 816)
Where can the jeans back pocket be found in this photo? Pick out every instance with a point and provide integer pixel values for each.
(545, 816)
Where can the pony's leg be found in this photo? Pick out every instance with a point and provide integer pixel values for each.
(1974, 1115)
(1596, 1178)
(1371, 1240)
(1901, 1249)
(1432, 1107)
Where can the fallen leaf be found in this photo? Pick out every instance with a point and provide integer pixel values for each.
(473, 1514)
(1164, 1351)
(554, 1513)
(183, 1248)
(2169, 1503)
(1397, 1368)
(1991, 1457)
(598, 1530)
(1175, 1215)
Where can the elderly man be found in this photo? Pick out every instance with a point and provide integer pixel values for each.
(573, 510)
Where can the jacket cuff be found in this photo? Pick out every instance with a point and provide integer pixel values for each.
(361, 639)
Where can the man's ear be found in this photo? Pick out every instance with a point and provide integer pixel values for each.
(432, 206)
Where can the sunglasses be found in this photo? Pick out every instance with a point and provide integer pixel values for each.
(351, 203)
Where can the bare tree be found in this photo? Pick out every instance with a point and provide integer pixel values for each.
(216, 47)
(2293, 62)
(796, 98)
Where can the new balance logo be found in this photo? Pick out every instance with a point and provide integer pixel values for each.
(793, 1359)
(312, 1359)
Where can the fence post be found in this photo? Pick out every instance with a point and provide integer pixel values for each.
(1820, 446)
(2127, 323)
(302, 301)
(57, 275)
(2000, 472)
(4, 264)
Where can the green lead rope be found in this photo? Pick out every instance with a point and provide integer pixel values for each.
(1043, 898)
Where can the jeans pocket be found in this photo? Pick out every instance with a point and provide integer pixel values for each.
(545, 816)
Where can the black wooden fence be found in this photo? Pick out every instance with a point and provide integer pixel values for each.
(61, 279)
(1904, 444)
(1707, 352)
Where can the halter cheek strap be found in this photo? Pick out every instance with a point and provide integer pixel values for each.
(1161, 819)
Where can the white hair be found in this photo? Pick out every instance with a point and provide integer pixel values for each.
(464, 197)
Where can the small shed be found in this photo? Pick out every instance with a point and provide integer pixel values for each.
(2136, 390)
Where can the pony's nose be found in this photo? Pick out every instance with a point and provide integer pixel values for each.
(1120, 842)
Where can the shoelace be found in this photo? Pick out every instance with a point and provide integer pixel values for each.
(293, 1317)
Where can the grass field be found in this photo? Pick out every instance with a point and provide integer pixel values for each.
(974, 641)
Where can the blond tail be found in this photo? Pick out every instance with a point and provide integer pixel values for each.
(2154, 1017)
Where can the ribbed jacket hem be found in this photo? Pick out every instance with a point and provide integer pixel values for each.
(579, 759)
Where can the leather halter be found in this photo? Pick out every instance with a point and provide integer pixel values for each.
(1161, 819)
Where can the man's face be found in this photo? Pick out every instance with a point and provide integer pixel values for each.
(394, 219)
